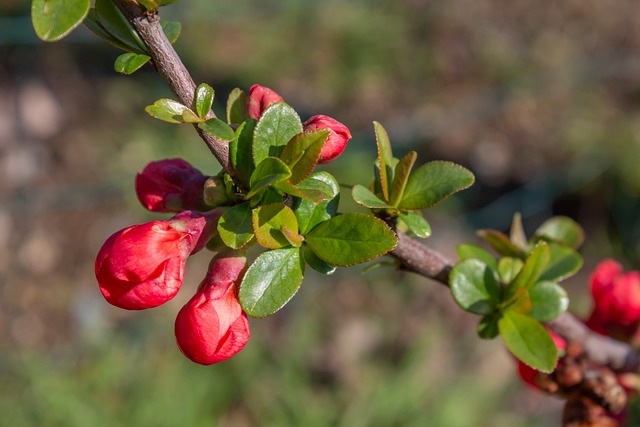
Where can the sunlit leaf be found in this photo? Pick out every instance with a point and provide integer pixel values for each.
(128, 63)
(54, 19)
(528, 340)
(474, 286)
(277, 125)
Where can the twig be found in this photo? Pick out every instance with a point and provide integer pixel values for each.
(413, 255)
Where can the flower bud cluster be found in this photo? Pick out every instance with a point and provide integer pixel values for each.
(261, 97)
(595, 394)
(143, 265)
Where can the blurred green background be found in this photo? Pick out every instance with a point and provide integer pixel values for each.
(540, 99)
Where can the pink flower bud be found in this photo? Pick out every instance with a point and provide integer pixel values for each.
(616, 297)
(171, 185)
(142, 266)
(260, 97)
(339, 135)
(212, 327)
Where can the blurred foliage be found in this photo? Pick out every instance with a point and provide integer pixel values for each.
(541, 103)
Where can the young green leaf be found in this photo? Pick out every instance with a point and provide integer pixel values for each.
(204, 101)
(474, 286)
(270, 282)
(316, 263)
(240, 153)
(114, 22)
(128, 63)
(548, 301)
(152, 5)
(277, 125)
(508, 268)
(292, 237)
(267, 221)
(363, 196)
(237, 106)
(401, 177)
(565, 262)
(528, 340)
(54, 19)
(171, 29)
(385, 159)
(516, 233)
(488, 327)
(310, 214)
(235, 226)
(218, 129)
(533, 268)
(351, 239)
(416, 223)
(563, 230)
(93, 23)
(501, 243)
(302, 152)
(433, 182)
(469, 251)
(168, 110)
(314, 196)
(270, 171)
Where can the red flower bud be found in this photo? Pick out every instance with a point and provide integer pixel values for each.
(171, 185)
(260, 97)
(339, 135)
(142, 266)
(616, 297)
(212, 327)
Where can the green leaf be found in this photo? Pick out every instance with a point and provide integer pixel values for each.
(128, 63)
(416, 223)
(508, 268)
(488, 327)
(270, 282)
(114, 23)
(167, 110)
(235, 227)
(533, 268)
(351, 239)
(237, 106)
(563, 230)
(548, 301)
(501, 243)
(218, 129)
(54, 19)
(267, 222)
(292, 237)
(314, 196)
(316, 263)
(270, 171)
(302, 152)
(311, 214)
(171, 29)
(240, 152)
(516, 234)
(152, 5)
(469, 251)
(528, 340)
(366, 198)
(565, 262)
(433, 182)
(401, 177)
(385, 159)
(204, 101)
(277, 125)
(93, 23)
(474, 286)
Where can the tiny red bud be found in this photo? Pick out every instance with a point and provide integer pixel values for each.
(339, 135)
(260, 97)
(171, 185)
(142, 266)
(212, 326)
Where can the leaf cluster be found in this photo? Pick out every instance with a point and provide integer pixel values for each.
(518, 289)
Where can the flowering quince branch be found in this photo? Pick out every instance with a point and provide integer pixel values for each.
(269, 194)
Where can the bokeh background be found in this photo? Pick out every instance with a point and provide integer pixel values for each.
(540, 99)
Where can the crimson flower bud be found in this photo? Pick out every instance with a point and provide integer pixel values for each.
(171, 185)
(212, 326)
(339, 135)
(260, 97)
(616, 297)
(142, 266)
